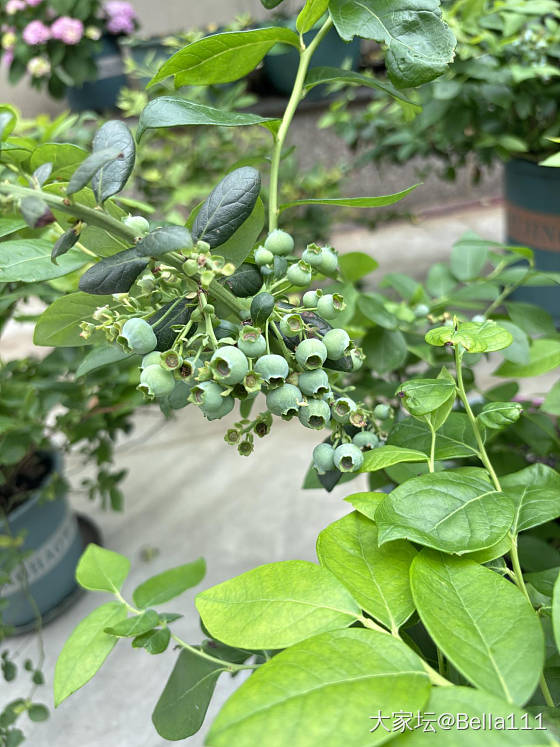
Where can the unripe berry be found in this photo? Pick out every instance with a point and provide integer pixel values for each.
(207, 395)
(311, 353)
(336, 341)
(279, 242)
(291, 324)
(189, 368)
(348, 458)
(382, 412)
(314, 382)
(273, 368)
(316, 415)
(152, 359)
(357, 358)
(284, 400)
(310, 299)
(329, 305)
(171, 360)
(478, 318)
(366, 440)
(299, 274)
(421, 310)
(137, 223)
(342, 408)
(323, 458)
(263, 256)
(179, 397)
(156, 381)
(312, 255)
(328, 264)
(229, 365)
(251, 342)
(139, 336)
(225, 408)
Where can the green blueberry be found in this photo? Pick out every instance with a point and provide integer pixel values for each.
(311, 353)
(137, 223)
(357, 358)
(225, 408)
(336, 341)
(251, 342)
(329, 305)
(179, 397)
(279, 242)
(156, 381)
(314, 383)
(273, 368)
(479, 318)
(229, 365)
(312, 255)
(152, 359)
(263, 256)
(139, 335)
(291, 324)
(207, 395)
(323, 458)
(280, 266)
(171, 360)
(421, 310)
(285, 400)
(382, 412)
(299, 274)
(316, 414)
(366, 440)
(342, 408)
(348, 458)
(310, 299)
(328, 264)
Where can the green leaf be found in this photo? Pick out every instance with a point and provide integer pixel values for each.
(182, 706)
(385, 350)
(440, 282)
(373, 308)
(533, 320)
(356, 202)
(36, 712)
(518, 351)
(276, 605)
(456, 511)
(321, 692)
(419, 43)
(88, 168)
(174, 111)
(112, 179)
(10, 225)
(475, 337)
(222, 58)
(497, 415)
(551, 404)
(64, 157)
(377, 577)
(535, 492)
(101, 356)
(86, 650)
(320, 75)
(164, 239)
(423, 396)
(355, 265)
(386, 456)
(169, 584)
(114, 274)
(227, 207)
(468, 259)
(556, 612)
(366, 503)
(64, 244)
(544, 356)
(134, 626)
(59, 324)
(102, 570)
(478, 619)
(239, 245)
(312, 11)
(245, 282)
(154, 642)
(454, 440)
(29, 261)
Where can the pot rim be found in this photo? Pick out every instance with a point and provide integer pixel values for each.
(35, 495)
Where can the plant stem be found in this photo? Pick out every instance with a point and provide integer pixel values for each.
(431, 463)
(297, 93)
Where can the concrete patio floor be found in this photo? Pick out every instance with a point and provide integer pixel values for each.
(189, 494)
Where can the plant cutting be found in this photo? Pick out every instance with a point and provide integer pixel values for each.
(406, 611)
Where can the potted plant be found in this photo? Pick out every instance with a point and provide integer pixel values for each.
(71, 48)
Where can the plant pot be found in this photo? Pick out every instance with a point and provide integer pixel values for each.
(101, 94)
(280, 68)
(51, 549)
(532, 194)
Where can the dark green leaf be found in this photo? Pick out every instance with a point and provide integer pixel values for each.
(245, 282)
(38, 712)
(535, 492)
(115, 274)
(320, 75)
(239, 245)
(64, 244)
(168, 320)
(373, 308)
(155, 641)
(113, 177)
(385, 350)
(164, 239)
(454, 440)
(88, 168)
(356, 202)
(355, 265)
(100, 356)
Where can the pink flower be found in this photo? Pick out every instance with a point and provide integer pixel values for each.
(120, 17)
(120, 25)
(36, 33)
(68, 30)
(8, 57)
(119, 8)
(33, 3)
(12, 6)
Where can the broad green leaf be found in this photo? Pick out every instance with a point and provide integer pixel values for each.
(355, 265)
(518, 351)
(311, 12)
(8, 120)
(59, 324)
(11, 225)
(101, 356)
(328, 75)
(386, 456)
(454, 440)
(479, 718)
(497, 415)
(366, 503)
(136, 625)
(440, 282)
(373, 308)
(419, 44)
(468, 259)
(551, 404)
(182, 706)
(377, 577)
(90, 166)
(174, 111)
(544, 356)
(114, 274)
(322, 691)
(423, 396)
(115, 175)
(222, 58)
(543, 581)
(100, 569)
(276, 605)
(29, 261)
(86, 650)
(154, 641)
(475, 337)
(169, 584)
(455, 511)
(64, 157)
(385, 350)
(482, 623)
(491, 553)
(356, 202)
(164, 239)
(533, 320)
(239, 245)
(556, 612)
(64, 244)
(535, 492)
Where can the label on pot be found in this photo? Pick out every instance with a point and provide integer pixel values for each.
(45, 558)
(529, 228)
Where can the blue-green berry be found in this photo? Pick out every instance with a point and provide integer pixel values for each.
(342, 408)
(139, 335)
(328, 264)
(285, 400)
(263, 256)
(310, 299)
(421, 310)
(207, 395)
(152, 359)
(229, 365)
(279, 242)
(348, 458)
(291, 324)
(225, 408)
(316, 414)
(251, 342)
(171, 360)
(311, 353)
(329, 305)
(312, 255)
(137, 223)
(299, 274)
(156, 381)
(357, 357)
(273, 368)
(323, 458)
(336, 341)
(366, 440)
(314, 383)
(382, 412)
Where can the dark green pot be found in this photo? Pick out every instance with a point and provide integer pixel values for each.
(532, 194)
(101, 94)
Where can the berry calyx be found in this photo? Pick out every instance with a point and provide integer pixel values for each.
(342, 408)
(314, 383)
(348, 458)
(279, 242)
(229, 365)
(157, 382)
(316, 414)
(171, 360)
(274, 369)
(323, 458)
(291, 324)
(139, 336)
(311, 353)
(336, 341)
(285, 400)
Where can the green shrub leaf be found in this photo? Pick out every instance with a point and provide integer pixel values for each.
(100, 569)
(535, 492)
(544, 355)
(164, 239)
(321, 75)
(29, 261)
(134, 626)
(101, 356)
(386, 456)
(59, 324)
(356, 202)
(88, 168)
(112, 179)
(114, 274)
(311, 12)
(169, 584)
